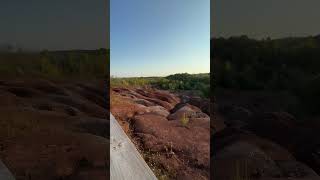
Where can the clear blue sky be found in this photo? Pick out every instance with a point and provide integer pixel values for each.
(159, 37)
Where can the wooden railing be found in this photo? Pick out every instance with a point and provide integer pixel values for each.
(126, 163)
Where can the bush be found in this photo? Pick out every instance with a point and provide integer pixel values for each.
(279, 64)
(176, 82)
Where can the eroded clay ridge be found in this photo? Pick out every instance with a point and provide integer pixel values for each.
(172, 134)
(54, 130)
(252, 139)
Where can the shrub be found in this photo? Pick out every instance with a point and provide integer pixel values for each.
(177, 82)
(74, 64)
(184, 120)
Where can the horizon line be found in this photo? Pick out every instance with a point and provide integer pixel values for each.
(148, 76)
(264, 37)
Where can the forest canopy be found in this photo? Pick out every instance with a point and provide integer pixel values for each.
(288, 64)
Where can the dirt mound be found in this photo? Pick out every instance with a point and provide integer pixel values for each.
(257, 121)
(173, 136)
(241, 154)
(247, 160)
(53, 130)
(278, 126)
(187, 111)
(204, 105)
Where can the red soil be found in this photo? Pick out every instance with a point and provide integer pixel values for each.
(153, 119)
(54, 130)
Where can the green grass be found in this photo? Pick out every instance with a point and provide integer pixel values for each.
(55, 65)
(200, 83)
(133, 82)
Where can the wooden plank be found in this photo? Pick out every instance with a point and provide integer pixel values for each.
(5, 174)
(126, 163)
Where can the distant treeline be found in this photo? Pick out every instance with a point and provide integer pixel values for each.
(7, 47)
(56, 64)
(199, 83)
(290, 64)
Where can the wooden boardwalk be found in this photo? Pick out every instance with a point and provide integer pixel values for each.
(126, 162)
(5, 174)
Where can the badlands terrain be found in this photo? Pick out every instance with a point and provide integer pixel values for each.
(171, 131)
(53, 130)
(253, 138)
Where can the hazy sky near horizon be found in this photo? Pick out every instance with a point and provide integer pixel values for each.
(258, 19)
(55, 24)
(159, 37)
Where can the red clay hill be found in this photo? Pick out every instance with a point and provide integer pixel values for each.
(254, 138)
(171, 132)
(54, 130)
